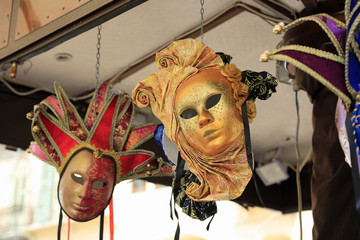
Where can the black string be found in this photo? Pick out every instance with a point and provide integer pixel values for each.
(59, 225)
(101, 225)
(248, 148)
(179, 172)
(208, 226)
(177, 233)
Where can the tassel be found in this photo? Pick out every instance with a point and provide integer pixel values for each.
(111, 219)
(68, 228)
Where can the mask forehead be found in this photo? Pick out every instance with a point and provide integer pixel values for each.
(195, 95)
(86, 185)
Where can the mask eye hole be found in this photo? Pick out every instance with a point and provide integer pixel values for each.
(98, 184)
(188, 113)
(77, 178)
(212, 101)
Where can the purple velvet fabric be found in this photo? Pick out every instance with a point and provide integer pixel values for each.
(333, 72)
(338, 31)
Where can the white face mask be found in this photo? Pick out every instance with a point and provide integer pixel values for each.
(206, 111)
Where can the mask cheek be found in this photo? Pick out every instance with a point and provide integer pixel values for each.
(226, 113)
(99, 199)
(101, 195)
(188, 127)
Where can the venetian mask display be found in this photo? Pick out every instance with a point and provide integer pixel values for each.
(199, 98)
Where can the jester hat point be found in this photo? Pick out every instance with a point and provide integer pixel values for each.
(324, 66)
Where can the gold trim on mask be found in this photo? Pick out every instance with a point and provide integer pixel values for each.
(97, 152)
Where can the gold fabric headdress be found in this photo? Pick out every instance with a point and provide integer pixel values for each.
(223, 176)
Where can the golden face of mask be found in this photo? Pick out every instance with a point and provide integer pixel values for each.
(206, 111)
(86, 186)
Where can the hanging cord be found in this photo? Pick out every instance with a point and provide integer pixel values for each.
(68, 236)
(180, 172)
(202, 20)
(97, 73)
(13, 90)
(248, 148)
(101, 232)
(59, 224)
(111, 206)
(298, 167)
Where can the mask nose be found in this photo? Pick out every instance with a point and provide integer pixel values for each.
(205, 118)
(84, 192)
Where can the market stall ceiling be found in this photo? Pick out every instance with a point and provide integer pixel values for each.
(135, 35)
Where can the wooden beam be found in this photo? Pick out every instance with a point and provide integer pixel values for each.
(65, 27)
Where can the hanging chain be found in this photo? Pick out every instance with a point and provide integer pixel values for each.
(98, 47)
(202, 20)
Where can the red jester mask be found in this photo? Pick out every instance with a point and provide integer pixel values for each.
(94, 154)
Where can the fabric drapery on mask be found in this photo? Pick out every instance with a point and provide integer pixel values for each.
(222, 176)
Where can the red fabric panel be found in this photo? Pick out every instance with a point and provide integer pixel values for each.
(137, 135)
(122, 126)
(101, 137)
(62, 139)
(129, 162)
(99, 101)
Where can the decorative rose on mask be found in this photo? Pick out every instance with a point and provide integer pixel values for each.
(259, 89)
(141, 97)
(166, 61)
(261, 84)
(231, 72)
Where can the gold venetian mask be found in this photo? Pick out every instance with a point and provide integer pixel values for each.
(206, 111)
(86, 185)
